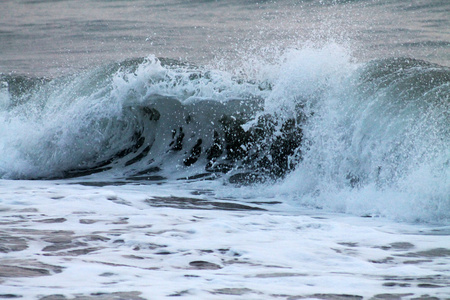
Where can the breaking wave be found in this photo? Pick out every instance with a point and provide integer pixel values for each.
(366, 138)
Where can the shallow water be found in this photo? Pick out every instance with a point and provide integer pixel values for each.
(64, 241)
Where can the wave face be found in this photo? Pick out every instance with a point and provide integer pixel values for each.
(367, 138)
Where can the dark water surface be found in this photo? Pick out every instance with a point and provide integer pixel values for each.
(54, 37)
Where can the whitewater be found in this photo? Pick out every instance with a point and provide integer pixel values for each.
(303, 168)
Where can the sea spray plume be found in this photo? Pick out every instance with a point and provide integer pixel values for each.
(379, 144)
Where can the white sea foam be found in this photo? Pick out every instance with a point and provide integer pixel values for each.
(114, 239)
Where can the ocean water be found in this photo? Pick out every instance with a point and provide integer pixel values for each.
(225, 149)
